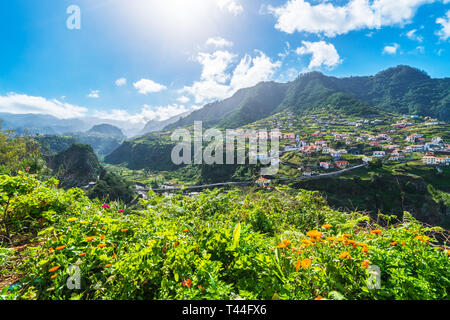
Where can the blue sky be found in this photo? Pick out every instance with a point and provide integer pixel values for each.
(175, 55)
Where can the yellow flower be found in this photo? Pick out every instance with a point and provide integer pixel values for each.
(54, 269)
(83, 222)
(306, 263)
(365, 264)
(345, 255)
(327, 226)
(72, 219)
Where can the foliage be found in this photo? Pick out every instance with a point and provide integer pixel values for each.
(207, 247)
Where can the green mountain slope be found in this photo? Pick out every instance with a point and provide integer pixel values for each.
(403, 90)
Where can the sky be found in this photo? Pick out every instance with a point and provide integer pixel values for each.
(141, 60)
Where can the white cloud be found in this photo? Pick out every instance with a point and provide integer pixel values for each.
(219, 42)
(391, 49)
(183, 99)
(24, 104)
(145, 86)
(215, 65)
(95, 94)
(251, 71)
(412, 35)
(121, 82)
(232, 6)
(219, 80)
(146, 114)
(323, 54)
(444, 33)
(330, 20)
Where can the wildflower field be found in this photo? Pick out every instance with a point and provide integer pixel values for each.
(216, 245)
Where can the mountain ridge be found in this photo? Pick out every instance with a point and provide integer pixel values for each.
(401, 89)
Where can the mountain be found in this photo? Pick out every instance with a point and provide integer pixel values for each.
(403, 90)
(41, 124)
(76, 166)
(106, 130)
(154, 125)
(259, 100)
(150, 151)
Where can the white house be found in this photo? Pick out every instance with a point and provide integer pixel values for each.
(379, 154)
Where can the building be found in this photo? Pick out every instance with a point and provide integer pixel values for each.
(325, 165)
(379, 154)
(342, 164)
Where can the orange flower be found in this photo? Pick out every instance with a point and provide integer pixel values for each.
(362, 244)
(403, 243)
(365, 264)
(394, 243)
(54, 276)
(345, 255)
(287, 242)
(327, 226)
(347, 235)
(318, 298)
(51, 250)
(314, 234)
(108, 266)
(60, 248)
(89, 239)
(102, 237)
(187, 283)
(306, 263)
(186, 230)
(331, 238)
(365, 250)
(101, 245)
(54, 269)
(124, 230)
(375, 231)
(281, 245)
(298, 265)
(82, 254)
(114, 255)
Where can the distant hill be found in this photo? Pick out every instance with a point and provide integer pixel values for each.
(106, 130)
(403, 90)
(154, 125)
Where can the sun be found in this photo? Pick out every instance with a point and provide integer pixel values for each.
(174, 13)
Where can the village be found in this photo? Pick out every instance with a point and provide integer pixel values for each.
(316, 145)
